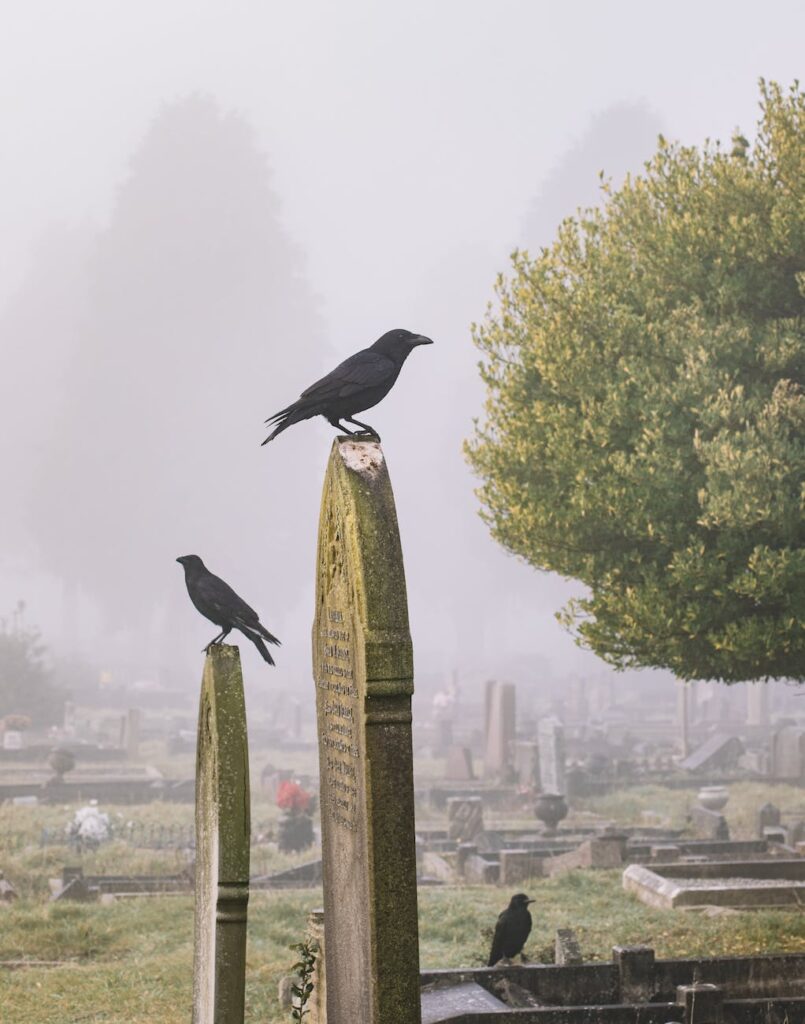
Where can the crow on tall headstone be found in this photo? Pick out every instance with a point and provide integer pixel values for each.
(358, 383)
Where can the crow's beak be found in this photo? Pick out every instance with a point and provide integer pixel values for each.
(529, 901)
(420, 339)
(179, 560)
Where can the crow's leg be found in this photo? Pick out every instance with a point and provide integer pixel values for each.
(334, 421)
(217, 639)
(365, 428)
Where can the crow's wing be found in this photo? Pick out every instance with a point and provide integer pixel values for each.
(223, 599)
(498, 940)
(364, 369)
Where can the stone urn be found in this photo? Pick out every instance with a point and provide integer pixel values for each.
(61, 761)
(550, 809)
(713, 798)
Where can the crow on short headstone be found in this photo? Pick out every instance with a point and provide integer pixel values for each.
(219, 603)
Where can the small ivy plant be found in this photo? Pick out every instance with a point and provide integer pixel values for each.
(303, 969)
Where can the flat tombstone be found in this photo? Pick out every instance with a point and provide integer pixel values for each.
(363, 669)
(222, 842)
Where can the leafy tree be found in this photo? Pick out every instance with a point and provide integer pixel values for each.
(25, 683)
(645, 408)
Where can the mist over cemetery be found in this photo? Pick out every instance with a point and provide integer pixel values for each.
(581, 798)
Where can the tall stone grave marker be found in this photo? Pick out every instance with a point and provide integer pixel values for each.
(222, 842)
(757, 704)
(363, 670)
(500, 719)
(551, 737)
(131, 733)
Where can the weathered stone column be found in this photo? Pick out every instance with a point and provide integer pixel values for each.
(222, 842)
(363, 669)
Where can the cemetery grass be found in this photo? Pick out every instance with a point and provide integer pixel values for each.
(662, 805)
(131, 961)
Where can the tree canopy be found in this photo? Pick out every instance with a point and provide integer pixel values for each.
(645, 408)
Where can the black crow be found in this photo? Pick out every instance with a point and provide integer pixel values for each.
(358, 383)
(219, 603)
(512, 929)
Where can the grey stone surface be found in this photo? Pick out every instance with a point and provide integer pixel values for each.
(703, 1003)
(500, 724)
(566, 947)
(442, 1003)
(465, 817)
(223, 831)
(635, 972)
(526, 763)
(519, 865)
(720, 751)
(788, 753)
(772, 883)
(480, 870)
(551, 737)
(757, 704)
(709, 824)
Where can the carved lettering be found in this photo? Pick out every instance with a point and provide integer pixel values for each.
(338, 711)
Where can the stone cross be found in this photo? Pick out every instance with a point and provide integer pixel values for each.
(363, 670)
(222, 842)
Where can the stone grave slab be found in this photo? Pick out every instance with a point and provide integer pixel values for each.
(446, 1002)
(742, 884)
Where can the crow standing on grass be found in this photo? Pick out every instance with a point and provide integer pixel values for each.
(358, 383)
(219, 603)
(512, 929)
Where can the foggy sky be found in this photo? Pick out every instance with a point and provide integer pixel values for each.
(402, 151)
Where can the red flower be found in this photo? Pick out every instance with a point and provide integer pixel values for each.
(291, 796)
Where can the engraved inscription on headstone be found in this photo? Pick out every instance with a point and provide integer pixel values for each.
(363, 671)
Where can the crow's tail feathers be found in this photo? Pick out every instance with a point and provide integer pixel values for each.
(287, 417)
(264, 633)
(257, 640)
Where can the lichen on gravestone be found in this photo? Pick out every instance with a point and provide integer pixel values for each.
(363, 672)
(222, 842)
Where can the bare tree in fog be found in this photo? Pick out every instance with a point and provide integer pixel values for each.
(39, 328)
(197, 317)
